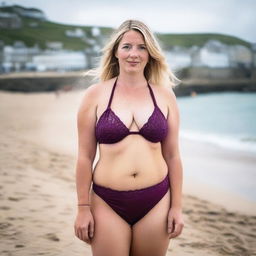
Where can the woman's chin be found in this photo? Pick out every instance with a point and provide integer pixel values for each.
(133, 70)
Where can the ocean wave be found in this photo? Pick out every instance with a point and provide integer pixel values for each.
(235, 142)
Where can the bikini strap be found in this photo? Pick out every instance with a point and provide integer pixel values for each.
(112, 93)
(152, 95)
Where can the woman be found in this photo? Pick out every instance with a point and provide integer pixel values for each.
(134, 206)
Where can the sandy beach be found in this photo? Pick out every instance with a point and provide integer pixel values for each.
(38, 196)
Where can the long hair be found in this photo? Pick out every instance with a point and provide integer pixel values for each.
(156, 71)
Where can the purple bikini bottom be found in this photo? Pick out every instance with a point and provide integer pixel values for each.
(132, 205)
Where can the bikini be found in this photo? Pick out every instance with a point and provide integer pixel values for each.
(131, 205)
(110, 129)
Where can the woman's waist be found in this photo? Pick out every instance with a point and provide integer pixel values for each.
(124, 174)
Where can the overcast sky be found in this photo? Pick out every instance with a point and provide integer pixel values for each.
(232, 17)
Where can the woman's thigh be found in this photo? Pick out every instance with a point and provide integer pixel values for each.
(149, 235)
(112, 235)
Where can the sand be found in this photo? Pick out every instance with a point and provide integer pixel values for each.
(38, 196)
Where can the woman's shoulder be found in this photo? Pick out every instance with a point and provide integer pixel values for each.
(98, 88)
(94, 92)
(165, 92)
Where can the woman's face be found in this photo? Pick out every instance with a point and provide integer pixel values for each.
(132, 53)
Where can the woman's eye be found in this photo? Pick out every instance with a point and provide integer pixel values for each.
(128, 47)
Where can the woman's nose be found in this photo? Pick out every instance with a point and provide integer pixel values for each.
(134, 51)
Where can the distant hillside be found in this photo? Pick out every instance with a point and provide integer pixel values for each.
(50, 31)
(12, 8)
(199, 39)
(45, 31)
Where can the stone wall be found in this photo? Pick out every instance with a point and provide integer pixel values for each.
(215, 73)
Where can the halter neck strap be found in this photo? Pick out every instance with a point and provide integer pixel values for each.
(152, 95)
(112, 93)
(113, 89)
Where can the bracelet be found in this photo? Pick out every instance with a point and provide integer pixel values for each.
(83, 205)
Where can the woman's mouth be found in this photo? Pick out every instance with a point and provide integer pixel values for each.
(133, 62)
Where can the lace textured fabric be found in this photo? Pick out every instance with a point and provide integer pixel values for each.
(110, 129)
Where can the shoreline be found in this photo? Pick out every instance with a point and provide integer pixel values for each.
(222, 182)
(67, 81)
(230, 201)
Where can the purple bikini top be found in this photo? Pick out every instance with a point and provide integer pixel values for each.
(110, 129)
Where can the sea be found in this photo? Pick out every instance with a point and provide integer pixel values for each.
(227, 119)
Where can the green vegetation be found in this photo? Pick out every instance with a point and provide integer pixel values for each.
(199, 39)
(11, 8)
(47, 31)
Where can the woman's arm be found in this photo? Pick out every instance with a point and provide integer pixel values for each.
(87, 146)
(171, 154)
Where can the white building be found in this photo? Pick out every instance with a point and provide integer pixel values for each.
(19, 57)
(16, 56)
(213, 54)
(56, 46)
(60, 61)
(78, 32)
(31, 13)
(240, 55)
(254, 55)
(10, 20)
(95, 31)
(178, 57)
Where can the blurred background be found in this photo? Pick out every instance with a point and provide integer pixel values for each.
(200, 41)
(45, 48)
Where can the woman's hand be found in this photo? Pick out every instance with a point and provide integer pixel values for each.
(84, 224)
(175, 222)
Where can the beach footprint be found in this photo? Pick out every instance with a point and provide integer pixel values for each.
(52, 237)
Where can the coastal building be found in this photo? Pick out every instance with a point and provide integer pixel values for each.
(95, 31)
(253, 67)
(240, 56)
(55, 46)
(30, 12)
(213, 54)
(10, 20)
(18, 57)
(179, 57)
(78, 33)
(253, 47)
(15, 57)
(60, 61)
(214, 60)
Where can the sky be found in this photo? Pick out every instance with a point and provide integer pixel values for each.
(231, 17)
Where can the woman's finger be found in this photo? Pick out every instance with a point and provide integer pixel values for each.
(180, 227)
(79, 234)
(85, 234)
(91, 229)
(76, 232)
(177, 230)
(170, 226)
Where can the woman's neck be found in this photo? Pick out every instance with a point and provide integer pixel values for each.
(131, 80)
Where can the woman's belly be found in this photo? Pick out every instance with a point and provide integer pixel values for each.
(132, 163)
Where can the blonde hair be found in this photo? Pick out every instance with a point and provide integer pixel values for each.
(157, 70)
